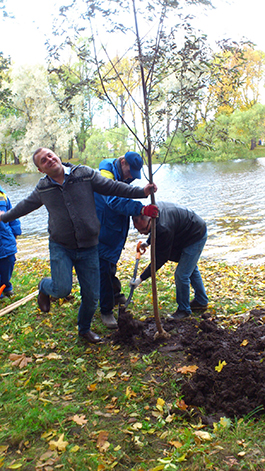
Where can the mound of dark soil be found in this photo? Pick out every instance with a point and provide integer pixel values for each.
(234, 390)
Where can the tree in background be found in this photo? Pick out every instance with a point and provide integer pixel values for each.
(121, 79)
(152, 55)
(236, 75)
(73, 86)
(36, 119)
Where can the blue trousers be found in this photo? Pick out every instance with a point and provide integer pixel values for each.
(187, 273)
(110, 286)
(86, 264)
(6, 270)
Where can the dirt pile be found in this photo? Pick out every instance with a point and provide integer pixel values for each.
(230, 379)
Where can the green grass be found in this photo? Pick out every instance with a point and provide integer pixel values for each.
(74, 406)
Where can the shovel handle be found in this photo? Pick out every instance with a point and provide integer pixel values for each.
(2, 289)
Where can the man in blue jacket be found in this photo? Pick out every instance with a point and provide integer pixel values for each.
(114, 216)
(8, 245)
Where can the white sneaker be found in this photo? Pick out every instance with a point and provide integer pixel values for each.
(109, 321)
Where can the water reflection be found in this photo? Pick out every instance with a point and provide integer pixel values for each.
(228, 195)
(36, 222)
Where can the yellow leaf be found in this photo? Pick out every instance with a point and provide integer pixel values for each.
(16, 465)
(203, 435)
(129, 393)
(49, 434)
(169, 418)
(244, 343)
(92, 387)
(175, 443)
(137, 426)
(158, 468)
(53, 356)
(27, 330)
(74, 449)
(187, 369)
(241, 453)
(220, 366)
(225, 422)
(3, 448)
(160, 402)
(110, 374)
(60, 445)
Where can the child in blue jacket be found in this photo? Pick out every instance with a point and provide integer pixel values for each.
(8, 245)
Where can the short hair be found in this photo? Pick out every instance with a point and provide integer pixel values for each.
(138, 218)
(35, 154)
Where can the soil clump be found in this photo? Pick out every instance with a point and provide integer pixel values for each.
(230, 378)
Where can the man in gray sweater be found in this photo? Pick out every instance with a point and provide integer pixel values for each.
(67, 191)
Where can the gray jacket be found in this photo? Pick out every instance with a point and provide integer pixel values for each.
(176, 228)
(73, 220)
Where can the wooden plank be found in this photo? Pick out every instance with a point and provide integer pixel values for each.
(22, 301)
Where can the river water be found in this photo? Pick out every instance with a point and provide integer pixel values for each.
(229, 195)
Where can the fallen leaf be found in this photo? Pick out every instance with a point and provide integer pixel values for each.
(74, 449)
(102, 442)
(49, 434)
(203, 435)
(170, 418)
(92, 387)
(181, 404)
(176, 444)
(244, 343)
(60, 445)
(129, 393)
(137, 426)
(225, 422)
(79, 419)
(3, 448)
(160, 404)
(5, 337)
(241, 453)
(53, 356)
(110, 374)
(19, 360)
(187, 369)
(16, 465)
(220, 366)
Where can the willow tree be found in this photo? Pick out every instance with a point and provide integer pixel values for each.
(150, 33)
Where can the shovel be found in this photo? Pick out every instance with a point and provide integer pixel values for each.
(139, 252)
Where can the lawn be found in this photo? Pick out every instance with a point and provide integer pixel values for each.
(73, 406)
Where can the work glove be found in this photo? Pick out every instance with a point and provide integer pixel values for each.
(135, 283)
(150, 210)
(144, 245)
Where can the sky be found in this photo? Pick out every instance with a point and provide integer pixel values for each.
(23, 38)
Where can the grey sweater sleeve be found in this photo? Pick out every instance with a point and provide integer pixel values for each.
(106, 186)
(29, 204)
